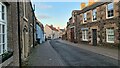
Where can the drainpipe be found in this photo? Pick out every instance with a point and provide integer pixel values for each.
(18, 12)
(33, 26)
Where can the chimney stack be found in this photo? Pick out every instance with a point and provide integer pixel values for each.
(58, 28)
(91, 2)
(83, 5)
(51, 25)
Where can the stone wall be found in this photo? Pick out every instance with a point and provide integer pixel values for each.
(101, 25)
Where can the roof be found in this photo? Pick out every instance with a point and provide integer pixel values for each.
(62, 30)
(87, 8)
(76, 11)
(53, 28)
(40, 24)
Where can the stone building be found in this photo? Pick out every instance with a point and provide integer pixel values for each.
(16, 32)
(71, 30)
(99, 24)
(76, 20)
(95, 24)
(9, 32)
(27, 18)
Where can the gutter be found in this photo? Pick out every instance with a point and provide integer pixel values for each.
(33, 26)
(18, 12)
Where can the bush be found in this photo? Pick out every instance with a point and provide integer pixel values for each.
(6, 55)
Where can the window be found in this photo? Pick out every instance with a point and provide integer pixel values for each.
(94, 14)
(73, 18)
(85, 17)
(85, 35)
(110, 35)
(3, 26)
(110, 11)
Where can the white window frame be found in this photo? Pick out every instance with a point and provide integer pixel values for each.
(85, 35)
(3, 22)
(84, 17)
(92, 15)
(107, 39)
(107, 11)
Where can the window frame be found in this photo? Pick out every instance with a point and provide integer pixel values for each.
(85, 35)
(84, 14)
(93, 15)
(107, 11)
(107, 39)
(3, 23)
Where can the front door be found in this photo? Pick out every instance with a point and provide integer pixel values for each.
(94, 36)
(72, 34)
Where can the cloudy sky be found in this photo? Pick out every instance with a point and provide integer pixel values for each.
(55, 13)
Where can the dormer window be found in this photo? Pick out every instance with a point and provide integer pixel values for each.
(85, 17)
(94, 14)
(110, 11)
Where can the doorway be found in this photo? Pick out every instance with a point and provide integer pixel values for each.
(94, 37)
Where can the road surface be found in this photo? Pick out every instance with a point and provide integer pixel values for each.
(74, 56)
(56, 53)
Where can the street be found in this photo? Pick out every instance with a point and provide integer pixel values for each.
(62, 54)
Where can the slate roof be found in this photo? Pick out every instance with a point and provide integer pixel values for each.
(53, 28)
(62, 30)
(93, 6)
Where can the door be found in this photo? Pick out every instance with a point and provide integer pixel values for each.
(72, 34)
(94, 36)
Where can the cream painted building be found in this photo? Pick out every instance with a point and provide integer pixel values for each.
(51, 32)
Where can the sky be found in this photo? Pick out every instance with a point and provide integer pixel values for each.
(55, 13)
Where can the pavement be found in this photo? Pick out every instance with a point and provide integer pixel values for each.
(44, 55)
(113, 53)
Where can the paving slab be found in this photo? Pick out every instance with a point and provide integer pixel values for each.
(44, 55)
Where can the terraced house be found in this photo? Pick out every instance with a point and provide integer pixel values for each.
(99, 24)
(17, 32)
(70, 30)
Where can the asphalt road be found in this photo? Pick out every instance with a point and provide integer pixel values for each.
(75, 56)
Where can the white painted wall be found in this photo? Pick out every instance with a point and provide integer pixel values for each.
(40, 33)
(49, 33)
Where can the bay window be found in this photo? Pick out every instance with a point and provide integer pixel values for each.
(110, 35)
(110, 11)
(3, 30)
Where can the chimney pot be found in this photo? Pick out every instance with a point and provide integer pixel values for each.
(83, 5)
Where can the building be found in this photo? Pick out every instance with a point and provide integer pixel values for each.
(99, 24)
(71, 30)
(40, 32)
(95, 24)
(8, 33)
(60, 32)
(51, 32)
(27, 28)
(76, 21)
(16, 32)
